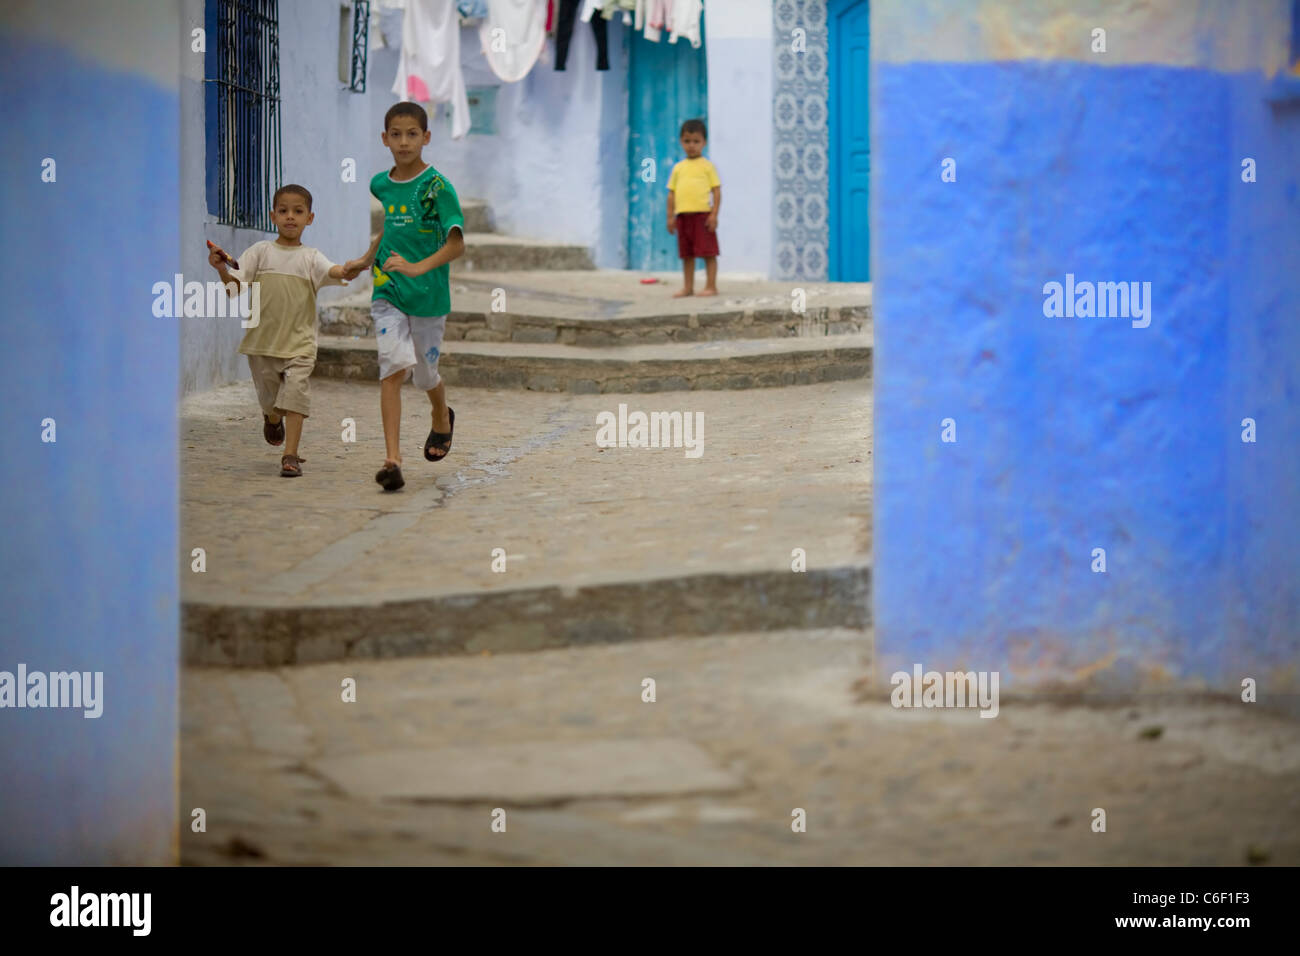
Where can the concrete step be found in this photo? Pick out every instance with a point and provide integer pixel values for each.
(490, 252)
(737, 364)
(351, 316)
(244, 635)
(478, 216)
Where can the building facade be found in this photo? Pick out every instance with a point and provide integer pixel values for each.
(575, 156)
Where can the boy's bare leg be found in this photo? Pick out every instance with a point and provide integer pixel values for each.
(688, 279)
(710, 276)
(438, 399)
(292, 432)
(390, 408)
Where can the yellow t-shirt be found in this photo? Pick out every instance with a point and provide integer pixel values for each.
(692, 183)
(288, 277)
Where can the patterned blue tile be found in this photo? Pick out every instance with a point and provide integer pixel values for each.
(800, 141)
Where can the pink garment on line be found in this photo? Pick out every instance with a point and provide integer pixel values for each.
(429, 68)
(652, 16)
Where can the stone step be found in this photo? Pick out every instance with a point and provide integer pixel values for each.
(490, 252)
(737, 364)
(244, 635)
(477, 323)
(478, 216)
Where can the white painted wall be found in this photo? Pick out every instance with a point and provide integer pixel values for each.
(321, 124)
(738, 36)
(555, 167)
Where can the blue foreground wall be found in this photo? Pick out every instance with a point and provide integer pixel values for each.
(88, 564)
(1080, 433)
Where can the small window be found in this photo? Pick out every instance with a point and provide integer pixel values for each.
(242, 101)
(354, 41)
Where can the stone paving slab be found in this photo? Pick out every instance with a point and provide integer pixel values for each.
(617, 299)
(593, 538)
(568, 292)
(784, 712)
(533, 773)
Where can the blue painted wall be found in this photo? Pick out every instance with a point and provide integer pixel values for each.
(1082, 433)
(88, 568)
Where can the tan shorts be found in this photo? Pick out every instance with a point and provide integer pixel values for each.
(410, 342)
(281, 383)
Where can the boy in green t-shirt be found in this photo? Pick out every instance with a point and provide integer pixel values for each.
(423, 231)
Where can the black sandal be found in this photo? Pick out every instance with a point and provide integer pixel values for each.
(291, 466)
(390, 476)
(440, 438)
(274, 434)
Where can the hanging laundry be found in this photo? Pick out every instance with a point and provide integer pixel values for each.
(550, 17)
(611, 8)
(684, 21)
(429, 68)
(567, 13)
(513, 36)
(651, 17)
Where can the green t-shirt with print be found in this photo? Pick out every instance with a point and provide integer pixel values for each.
(419, 214)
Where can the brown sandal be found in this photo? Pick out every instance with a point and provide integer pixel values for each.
(390, 477)
(274, 434)
(291, 466)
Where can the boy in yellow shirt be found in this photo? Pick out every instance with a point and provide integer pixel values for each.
(693, 182)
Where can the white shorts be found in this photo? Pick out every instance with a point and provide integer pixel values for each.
(408, 342)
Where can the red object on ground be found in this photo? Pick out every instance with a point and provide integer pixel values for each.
(643, 281)
(223, 255)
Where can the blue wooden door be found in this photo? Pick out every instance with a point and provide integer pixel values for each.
(850, 140)
(667, 85)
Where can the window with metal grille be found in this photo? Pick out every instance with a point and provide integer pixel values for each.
(354, 41)
(242, 100)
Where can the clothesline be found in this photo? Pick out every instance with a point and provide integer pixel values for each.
(650, 17)
(512, 34)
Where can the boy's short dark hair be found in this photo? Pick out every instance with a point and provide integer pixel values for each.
(693, 126)
(291, 188)
(407, 108)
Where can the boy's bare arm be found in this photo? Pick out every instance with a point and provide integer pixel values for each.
(453, 248)
(352, 268)
(367, 259)
(712, 221)
(672, 208)
(348, 270)
(217, 259)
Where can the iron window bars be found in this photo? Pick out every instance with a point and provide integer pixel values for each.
(247, 82)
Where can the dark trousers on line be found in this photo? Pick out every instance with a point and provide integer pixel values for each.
(567, 14)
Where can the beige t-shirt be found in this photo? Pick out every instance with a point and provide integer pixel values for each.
(287, 279)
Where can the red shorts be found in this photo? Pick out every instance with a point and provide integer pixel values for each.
(694, 240)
